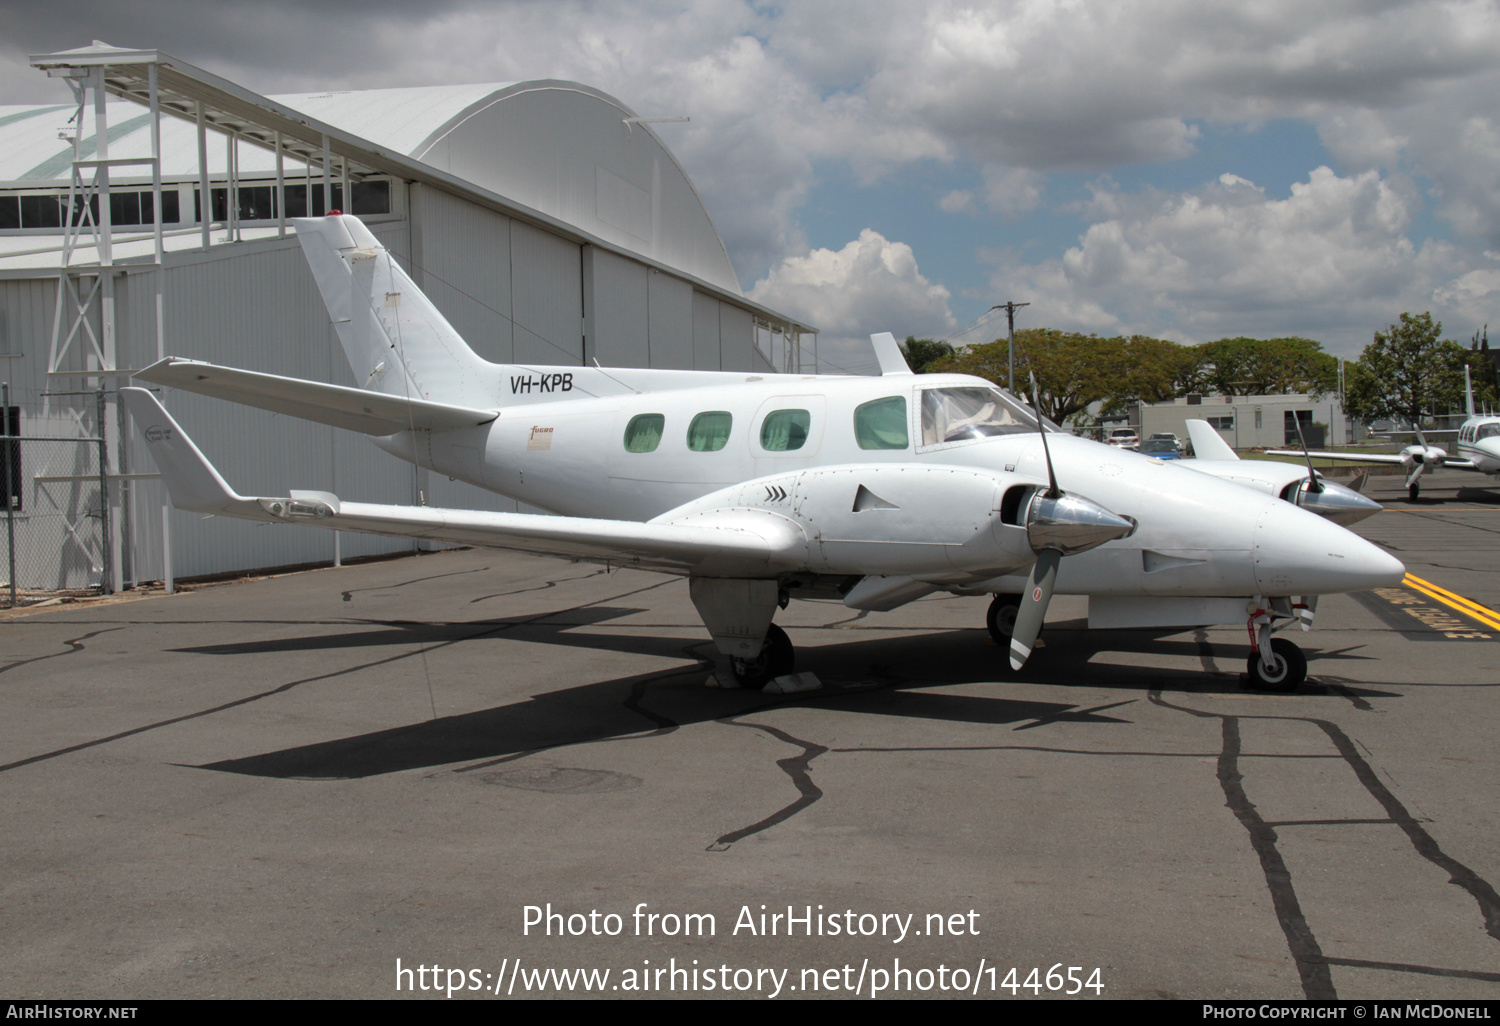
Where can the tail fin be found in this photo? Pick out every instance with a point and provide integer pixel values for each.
(396, 341)
(1208, 444)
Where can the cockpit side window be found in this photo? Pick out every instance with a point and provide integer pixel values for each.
(1487, 431)
(959, 414)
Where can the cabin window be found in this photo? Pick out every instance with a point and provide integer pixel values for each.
(709, 432)
(881, 424)
(643, 433)
(785, 430)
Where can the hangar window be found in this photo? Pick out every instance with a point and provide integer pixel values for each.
(881, 423)
(1221, 423)
(709, 432)
(959, 414)
(643, 433)
(785, 430)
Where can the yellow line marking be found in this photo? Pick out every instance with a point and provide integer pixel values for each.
(1468, 607)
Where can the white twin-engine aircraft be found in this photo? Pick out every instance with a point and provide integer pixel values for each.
(1478, 448)
(873, 491)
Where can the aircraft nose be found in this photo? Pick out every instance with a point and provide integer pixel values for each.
(1298, 553)
(1336, 502)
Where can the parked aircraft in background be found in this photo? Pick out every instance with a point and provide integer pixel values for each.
(872, 491)
(1478, 447)
(1338, 503)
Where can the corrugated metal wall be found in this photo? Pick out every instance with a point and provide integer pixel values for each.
(515, 292)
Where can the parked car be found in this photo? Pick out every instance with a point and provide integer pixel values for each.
(1125, 438)
(1161, 448)
(1169, 437)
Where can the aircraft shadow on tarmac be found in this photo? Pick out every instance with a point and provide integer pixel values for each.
(885, 676)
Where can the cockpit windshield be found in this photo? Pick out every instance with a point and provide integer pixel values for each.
(1487, 431)
(958, 414)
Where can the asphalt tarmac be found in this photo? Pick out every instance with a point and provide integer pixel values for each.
(326, 784)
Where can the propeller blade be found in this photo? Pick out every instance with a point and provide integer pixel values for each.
(1033, 606)
(1312, 479)
(1306, 610)
(1358, 484)
(1053, 491)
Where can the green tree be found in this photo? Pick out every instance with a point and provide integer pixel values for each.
(1074, 371)
(1484, 370)
(921, 353)
(1272, 366)
(1408, 372)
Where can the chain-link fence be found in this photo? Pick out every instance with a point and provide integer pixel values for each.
(55, 527)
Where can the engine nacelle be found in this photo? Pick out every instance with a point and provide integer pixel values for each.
(885, 518)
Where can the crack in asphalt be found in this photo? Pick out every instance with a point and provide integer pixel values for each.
(75, 643)
(798, 767)
(349, 595)
(1312, 963)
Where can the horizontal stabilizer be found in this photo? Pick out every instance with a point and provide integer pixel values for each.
(1208, 444)
(354, 409)
(739, 543)
(191, 480)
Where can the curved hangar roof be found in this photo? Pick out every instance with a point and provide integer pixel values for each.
(561, 148)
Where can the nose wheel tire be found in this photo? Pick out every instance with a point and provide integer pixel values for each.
(777, 658)
(1413, 492)
(1001, 619)
(1290, 669)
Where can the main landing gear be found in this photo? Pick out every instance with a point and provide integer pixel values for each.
(1413, 490)
(1001, 619)
(777, 658)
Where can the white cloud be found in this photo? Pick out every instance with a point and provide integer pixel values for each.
(1327, 262)
(1016, 89)
(871, 285)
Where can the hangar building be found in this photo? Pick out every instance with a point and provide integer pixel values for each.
(545, 219)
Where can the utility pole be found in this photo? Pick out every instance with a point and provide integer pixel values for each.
(1010, 309)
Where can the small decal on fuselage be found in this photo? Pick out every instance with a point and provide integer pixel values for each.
(526, 383)
(158, 434)
(775, 493)
(540, 438)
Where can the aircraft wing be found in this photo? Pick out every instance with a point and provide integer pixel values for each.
(354, 409)
(1373, 457)
(738, 543)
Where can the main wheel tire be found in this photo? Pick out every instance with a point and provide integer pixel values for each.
(1001, 618)
(777, 658)
(1290, 671)
(1413, 492)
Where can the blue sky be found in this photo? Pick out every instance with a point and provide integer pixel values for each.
(1188, 169)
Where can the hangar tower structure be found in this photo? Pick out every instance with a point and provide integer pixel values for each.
(546, 220)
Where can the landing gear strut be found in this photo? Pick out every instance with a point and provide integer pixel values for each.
(777, 658)
(1001, 619)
